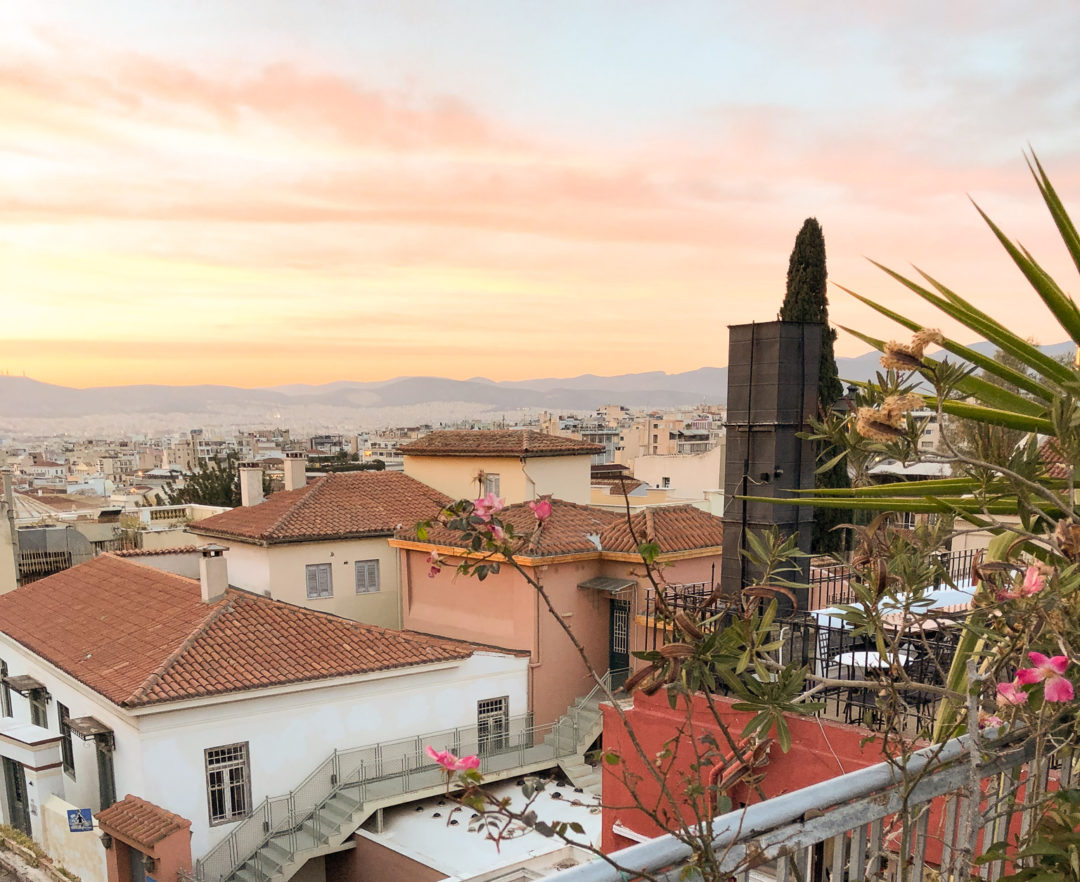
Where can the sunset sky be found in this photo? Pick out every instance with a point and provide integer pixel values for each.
(255, 193)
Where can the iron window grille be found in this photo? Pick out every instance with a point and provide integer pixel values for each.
(228, 782)
(493, 724)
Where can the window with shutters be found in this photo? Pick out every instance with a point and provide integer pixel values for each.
(491, 483)
(228, 782)
(67, 747)
(367, 576)
(39, 715)
(319, 582)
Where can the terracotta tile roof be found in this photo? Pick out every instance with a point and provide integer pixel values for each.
(615, 485)
(152, 552)
(497, 442)
(566, 531)
(139, 822)
(673, 528)
(337, 506)
(139, 636)
(1057, 466)
(576, 529)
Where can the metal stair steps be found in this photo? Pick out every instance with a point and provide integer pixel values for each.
(334, 819)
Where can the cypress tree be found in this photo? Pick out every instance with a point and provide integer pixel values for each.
(806, 300)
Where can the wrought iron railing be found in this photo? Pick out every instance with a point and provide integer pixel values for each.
(830, 583)
(926, 819)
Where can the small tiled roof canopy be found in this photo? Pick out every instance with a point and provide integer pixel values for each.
(338, 506)
(140, 823)
(141, 636)
(673, 528)
(576, 529)
(497, 442)
(1057, 466)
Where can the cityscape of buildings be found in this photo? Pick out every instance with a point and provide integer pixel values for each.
(303, 578)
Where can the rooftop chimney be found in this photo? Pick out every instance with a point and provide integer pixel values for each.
(295, 469)
(251, 492)
(213, 572)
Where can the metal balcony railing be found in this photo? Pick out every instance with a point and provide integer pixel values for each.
(926, 820)
(325, 805)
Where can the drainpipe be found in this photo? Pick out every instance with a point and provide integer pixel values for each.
(9, 505)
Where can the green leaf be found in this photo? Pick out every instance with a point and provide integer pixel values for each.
(996, 417)
(957, 308)
(987, 363)
(1057, 210)
(1056, 300)
(649, 552)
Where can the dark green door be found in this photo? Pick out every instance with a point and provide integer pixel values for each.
(15, 785)
(619, 653)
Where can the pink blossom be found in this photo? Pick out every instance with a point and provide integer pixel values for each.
(453, 763)
(1048, 670)
(990, 721)
(436, 564)
(1033, 582)
(542, 509)
(498, 534)
(486, 506)
(1010, 693)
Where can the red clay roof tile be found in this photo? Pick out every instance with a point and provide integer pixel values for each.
(497, 442)
(141, 636)
(337, 506)
(1057, 466)
(672, 527)
(576, 529)
(140, 822)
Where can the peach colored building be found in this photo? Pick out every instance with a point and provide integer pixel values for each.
(515, 464)
(587, 561)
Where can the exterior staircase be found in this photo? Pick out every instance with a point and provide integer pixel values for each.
(319, 816)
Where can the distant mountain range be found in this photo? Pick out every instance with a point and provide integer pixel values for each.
(22, 397)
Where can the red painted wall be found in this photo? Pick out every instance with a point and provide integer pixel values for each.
(820, 750)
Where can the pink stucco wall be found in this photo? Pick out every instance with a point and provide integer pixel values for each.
(504, 610)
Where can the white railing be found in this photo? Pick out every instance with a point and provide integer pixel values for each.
(870, 824)
(377, 772)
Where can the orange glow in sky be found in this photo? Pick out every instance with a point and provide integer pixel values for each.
(281, 193)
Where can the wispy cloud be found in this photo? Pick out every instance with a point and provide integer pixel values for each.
(250, 215)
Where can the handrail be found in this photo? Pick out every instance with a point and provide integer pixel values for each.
(760, 827)
(355, 769)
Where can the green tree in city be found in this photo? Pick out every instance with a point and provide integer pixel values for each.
(217, 482)
(807, 301)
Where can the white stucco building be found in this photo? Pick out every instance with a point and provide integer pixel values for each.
(204, 700)
(323, 545)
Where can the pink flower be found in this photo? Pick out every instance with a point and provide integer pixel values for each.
(990, 721)
(1033, 582)
(436, 564)
(542, 509)
(1010, 693)
(453, 763)
(1048, 670)
(486, 506)
(498, 534)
